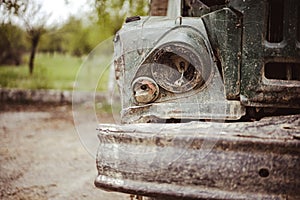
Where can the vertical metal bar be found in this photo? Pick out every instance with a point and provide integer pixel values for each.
(289, 74)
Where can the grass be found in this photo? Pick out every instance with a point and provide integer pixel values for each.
(51, 72)
(59, 70)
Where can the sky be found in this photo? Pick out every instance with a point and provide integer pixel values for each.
(60, 10)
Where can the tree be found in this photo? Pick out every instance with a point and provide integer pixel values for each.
(28, 14)
(34, 21)
(34, 34)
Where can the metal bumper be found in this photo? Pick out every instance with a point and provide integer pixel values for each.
(202, 160)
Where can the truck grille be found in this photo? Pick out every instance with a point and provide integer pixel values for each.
(275, 21)
(282, 71)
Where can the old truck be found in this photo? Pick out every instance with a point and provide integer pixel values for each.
(210, 96)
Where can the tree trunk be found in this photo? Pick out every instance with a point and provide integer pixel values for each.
(34, 44)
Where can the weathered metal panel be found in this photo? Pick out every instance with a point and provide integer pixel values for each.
(256, 90)
(257, 160)
(158, 64)
(225, 33)
(140, 47)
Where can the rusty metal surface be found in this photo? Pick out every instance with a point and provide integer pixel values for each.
(224, 30)
(202, 159)
(256, 89)
(240, 36)
(218, 60)
(175, 62)
(159, 112)
(222, 54)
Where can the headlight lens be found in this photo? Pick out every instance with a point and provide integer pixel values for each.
(145, 90)
(177, 69)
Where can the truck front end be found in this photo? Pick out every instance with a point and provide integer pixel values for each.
(210, 103)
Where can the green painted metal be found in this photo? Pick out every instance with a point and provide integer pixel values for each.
(225, 32)
(256, 89)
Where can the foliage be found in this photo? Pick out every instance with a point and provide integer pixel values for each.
(53, 42)
(77, 37)
(112, 13)
(12, 44)
(73, 37)
(12, 7)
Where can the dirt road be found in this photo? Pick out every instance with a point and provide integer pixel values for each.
(41, 156)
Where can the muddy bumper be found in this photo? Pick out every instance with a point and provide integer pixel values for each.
(202, 159)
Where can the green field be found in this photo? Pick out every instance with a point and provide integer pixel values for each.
(56, 71)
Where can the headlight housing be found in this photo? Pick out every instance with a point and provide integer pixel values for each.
(168, 71)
